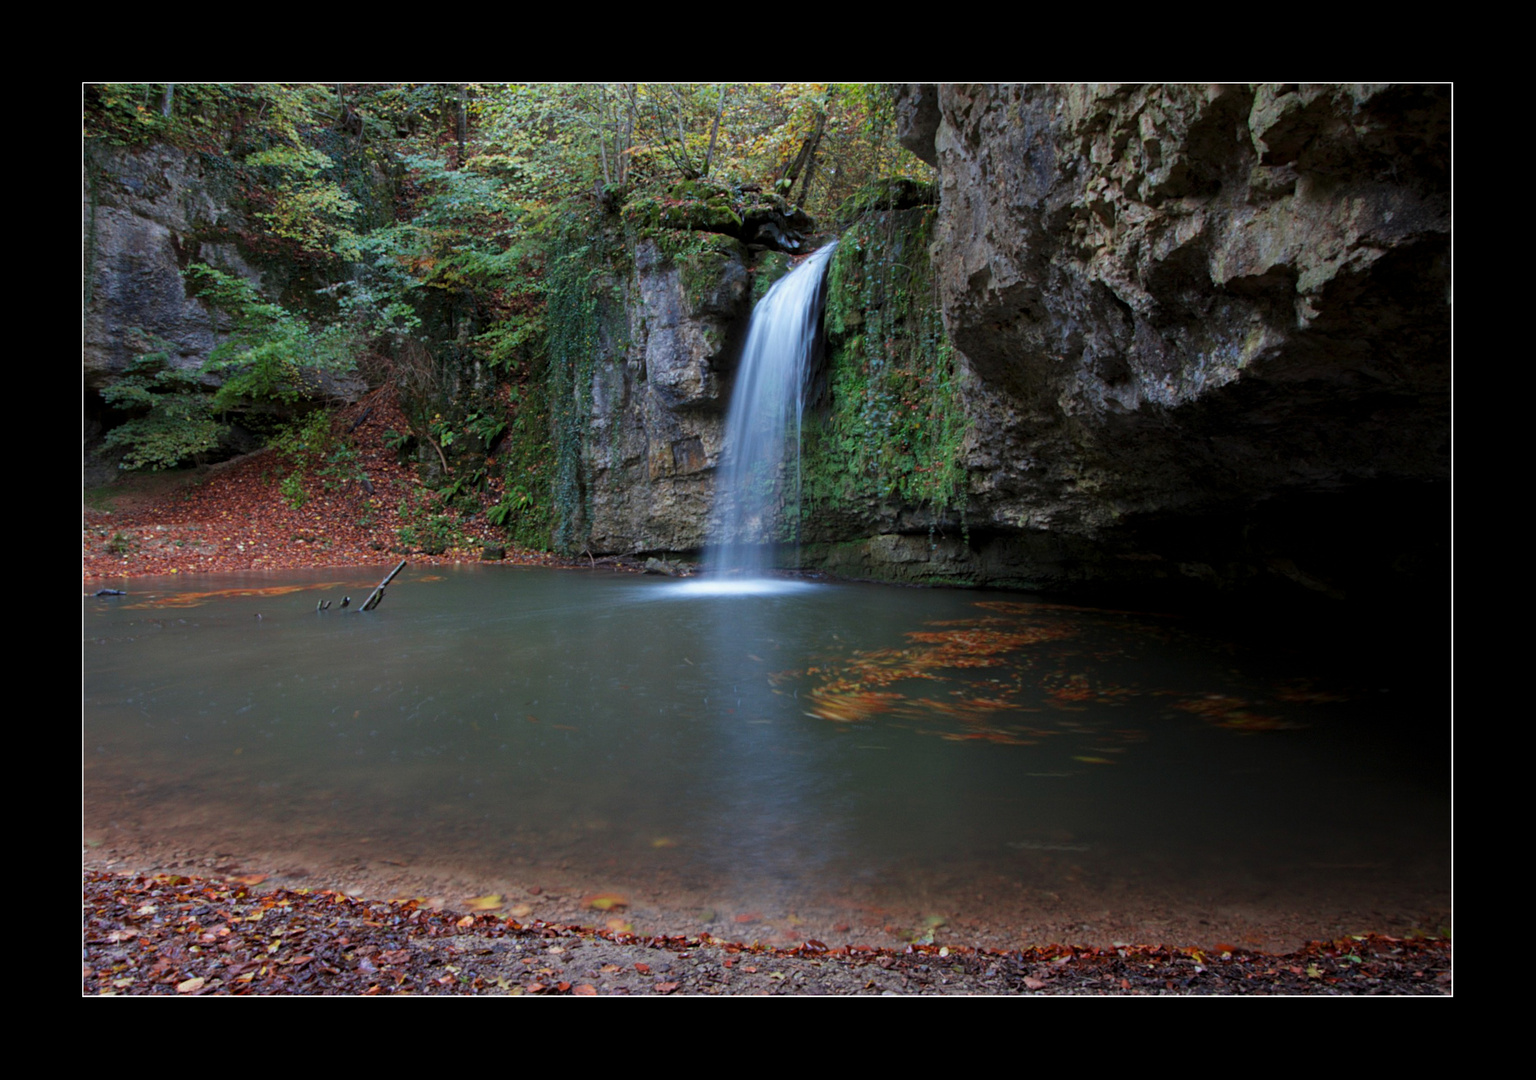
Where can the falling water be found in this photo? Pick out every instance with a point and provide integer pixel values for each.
(766, 408)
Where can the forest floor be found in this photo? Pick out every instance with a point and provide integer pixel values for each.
(233, 517)
(156, 930)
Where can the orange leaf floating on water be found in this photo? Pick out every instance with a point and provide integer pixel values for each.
(1232, 712)
(605, 901)
(1304, 695)
(192, 599)
(850, 706)
(1003, 737)
(968, 708)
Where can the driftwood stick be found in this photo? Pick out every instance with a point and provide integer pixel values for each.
(378, 593)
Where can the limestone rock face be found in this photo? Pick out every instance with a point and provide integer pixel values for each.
(1202, 325)
(147, 214)
(660, 392)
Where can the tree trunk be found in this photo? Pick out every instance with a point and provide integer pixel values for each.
(714, 132)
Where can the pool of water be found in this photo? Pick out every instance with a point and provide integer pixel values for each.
(831, 760)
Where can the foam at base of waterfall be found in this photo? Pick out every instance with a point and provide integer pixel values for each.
(736, 586)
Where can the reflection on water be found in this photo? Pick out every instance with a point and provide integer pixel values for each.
(815, 748)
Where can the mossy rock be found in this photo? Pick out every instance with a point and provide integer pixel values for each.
(770, 267)
(711, 267)
(707, 206)
(698, 205)
(895, 193)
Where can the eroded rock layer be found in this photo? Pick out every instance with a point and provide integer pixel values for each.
(1206, 329)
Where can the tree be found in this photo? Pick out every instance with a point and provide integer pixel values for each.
(172, 422)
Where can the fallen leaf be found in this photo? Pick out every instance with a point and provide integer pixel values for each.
(605, 901)
(489, 902)
(191, 986)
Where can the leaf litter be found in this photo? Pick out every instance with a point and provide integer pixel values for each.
(184, 936)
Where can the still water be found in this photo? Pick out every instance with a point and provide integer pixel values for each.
(833, 760)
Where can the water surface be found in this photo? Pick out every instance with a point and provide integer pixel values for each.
(842, 761)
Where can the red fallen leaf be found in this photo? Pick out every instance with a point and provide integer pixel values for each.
(534, 988)
(584, 990)
(249, 879)
(644, 969)
(1033, 983)
(751, 916)
(667, 987)
(562, 986)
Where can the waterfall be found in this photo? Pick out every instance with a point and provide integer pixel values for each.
(755, 476)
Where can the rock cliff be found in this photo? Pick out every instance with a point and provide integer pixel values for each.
(147, 215)
(659, 387)
(1205, 330)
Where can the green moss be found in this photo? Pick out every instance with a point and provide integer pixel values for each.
(689, 205)
(891, 425)
(526, 509)
(771, 265)
(894, 193)
(701, 265)
(572, 319)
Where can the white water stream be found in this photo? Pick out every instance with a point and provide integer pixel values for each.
(757, 478)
